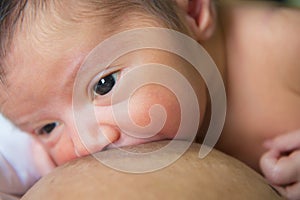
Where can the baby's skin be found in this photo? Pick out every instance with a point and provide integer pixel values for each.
(254, 46)
(281, 162)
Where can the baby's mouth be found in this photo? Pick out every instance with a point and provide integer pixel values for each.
(126, 140)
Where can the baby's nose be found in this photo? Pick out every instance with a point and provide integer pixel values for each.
(96, 140)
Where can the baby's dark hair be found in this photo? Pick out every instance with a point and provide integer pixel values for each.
(14, 12)
(10, 14)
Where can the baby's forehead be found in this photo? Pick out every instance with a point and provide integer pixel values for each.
(48, 23)
(54, 37)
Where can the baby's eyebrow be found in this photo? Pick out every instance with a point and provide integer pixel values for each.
(28, 116)
(72, 74)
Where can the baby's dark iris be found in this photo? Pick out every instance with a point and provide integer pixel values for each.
(105, 85)
(47, 129)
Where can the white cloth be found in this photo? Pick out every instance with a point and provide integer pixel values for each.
(22, 159)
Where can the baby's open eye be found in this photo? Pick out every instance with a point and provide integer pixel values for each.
(106, 84)
(47, 129)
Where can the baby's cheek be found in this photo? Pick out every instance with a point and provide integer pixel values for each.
(63, 151)
(144, 98)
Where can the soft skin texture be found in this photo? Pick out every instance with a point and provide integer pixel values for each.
(262, 80)
(218, 176)
(280, 164)
(263, 90)
(53, 100)
(255, 47)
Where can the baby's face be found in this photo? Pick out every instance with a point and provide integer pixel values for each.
(39, 92)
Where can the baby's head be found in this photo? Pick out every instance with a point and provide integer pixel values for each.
(44, 43)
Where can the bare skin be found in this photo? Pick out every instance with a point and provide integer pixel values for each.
(255, 47)
(264, 93)
(218, 176)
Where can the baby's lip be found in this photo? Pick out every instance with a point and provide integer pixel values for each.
(126, 140)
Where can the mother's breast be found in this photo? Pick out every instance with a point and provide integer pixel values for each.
(217, 176)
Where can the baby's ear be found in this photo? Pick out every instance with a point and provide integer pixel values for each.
(200, 16)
